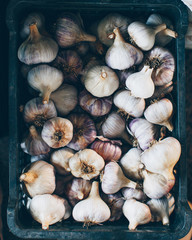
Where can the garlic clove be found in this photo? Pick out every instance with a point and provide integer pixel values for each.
(130, 193)
(137, 213)
(57, 132)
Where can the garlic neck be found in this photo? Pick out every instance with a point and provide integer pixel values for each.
(28, 177)
(160, 28)
(132, 225)
(170, 33)
(128, 183)
(87, 37)
(169, 125)
(165, 220)
(34, 32)
(33, 131)
(118, 37)
(94, 190)
(46, 95)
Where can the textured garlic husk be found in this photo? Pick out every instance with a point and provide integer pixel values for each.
(37, 48)
(47, 209)
(130, 193)
(161, 91)
(113, 179)
(86, 164)
(122, 55)
(101, 81)
(84, 131)
(45, 79)
(60, 160)
(92, 210)
(38, 178)
(65, 99)
(164, 37)
(160, 112)
(162, 156)
(156, 185)
(68, 210)
(130, 164)
(77, 190)
(136, 212)
(37, 113)
(143, 131)
(57, 132)
(115, 203)
(93, 105)
(69, 31)
(108, 149)
(33, 144)
(128, 104)
(107, 25)
(144, 35)
(141, 84)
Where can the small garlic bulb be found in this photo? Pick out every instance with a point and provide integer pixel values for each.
(86, 164)
(38, 178)
(136, 212)
(92, 210)
(60, 160)
(144, 35)
(130, 193)
(57, 132)
(122, 55)
(140, 83)
(101, 81)
(45, 79)
(37, 113)
(113, 179)
(37, 48)
(47, 209)
(130, 164)
(160, 112)
(128, 104)
(65, 99)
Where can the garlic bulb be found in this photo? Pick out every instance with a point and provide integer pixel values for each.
(37, 113)
(108, 149)
(47, 209)
(93, 105)
(107, 25)
(84, 131)
(161, 91)
(160, 113)
(162, 156)
(69, 31)
(57, 132)
(37, 48)
(77, 189)
(113, 179)
(65, 99)
(60, 160)
(130, 164)
(128, 104)
(122, 55)
(130, 193)
(101, 81)
(38, 178)
(136, 212)
(86, 164)
(92, 210)
(34, 144)
(45, 79)
(144, 35)
(140, 83)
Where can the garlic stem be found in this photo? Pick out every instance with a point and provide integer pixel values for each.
(88, 38)
(34, 32)
(160, 28)
(45, 226)
(129, 183)
(165, 220)
(46, 95)
(118, 36)
(103, 74)
(80, 195)
(33, 131)
(28, 177)
(170, 33)
(169, 125)
(94, 190)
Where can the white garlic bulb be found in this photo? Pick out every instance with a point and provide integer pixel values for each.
(101, 81)
(129, 104)
(122, 55)
(86, 164)
(160, 112)
(130, 193)
(141, 84)
(144, 35)
(92, 210)
(136, 212)
(130, 163)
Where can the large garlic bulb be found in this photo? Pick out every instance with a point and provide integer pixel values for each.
(45, 79)
(86, 164)
(122, 55)
(101, 81)
(92, 210)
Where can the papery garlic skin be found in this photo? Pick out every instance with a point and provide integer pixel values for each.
(136, 212)
(86, 164)
(130, 193)
(160, 113)
(140, 83)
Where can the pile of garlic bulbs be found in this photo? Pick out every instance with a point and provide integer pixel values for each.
(99, 119)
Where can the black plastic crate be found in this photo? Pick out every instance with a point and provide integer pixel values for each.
(19, 221)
